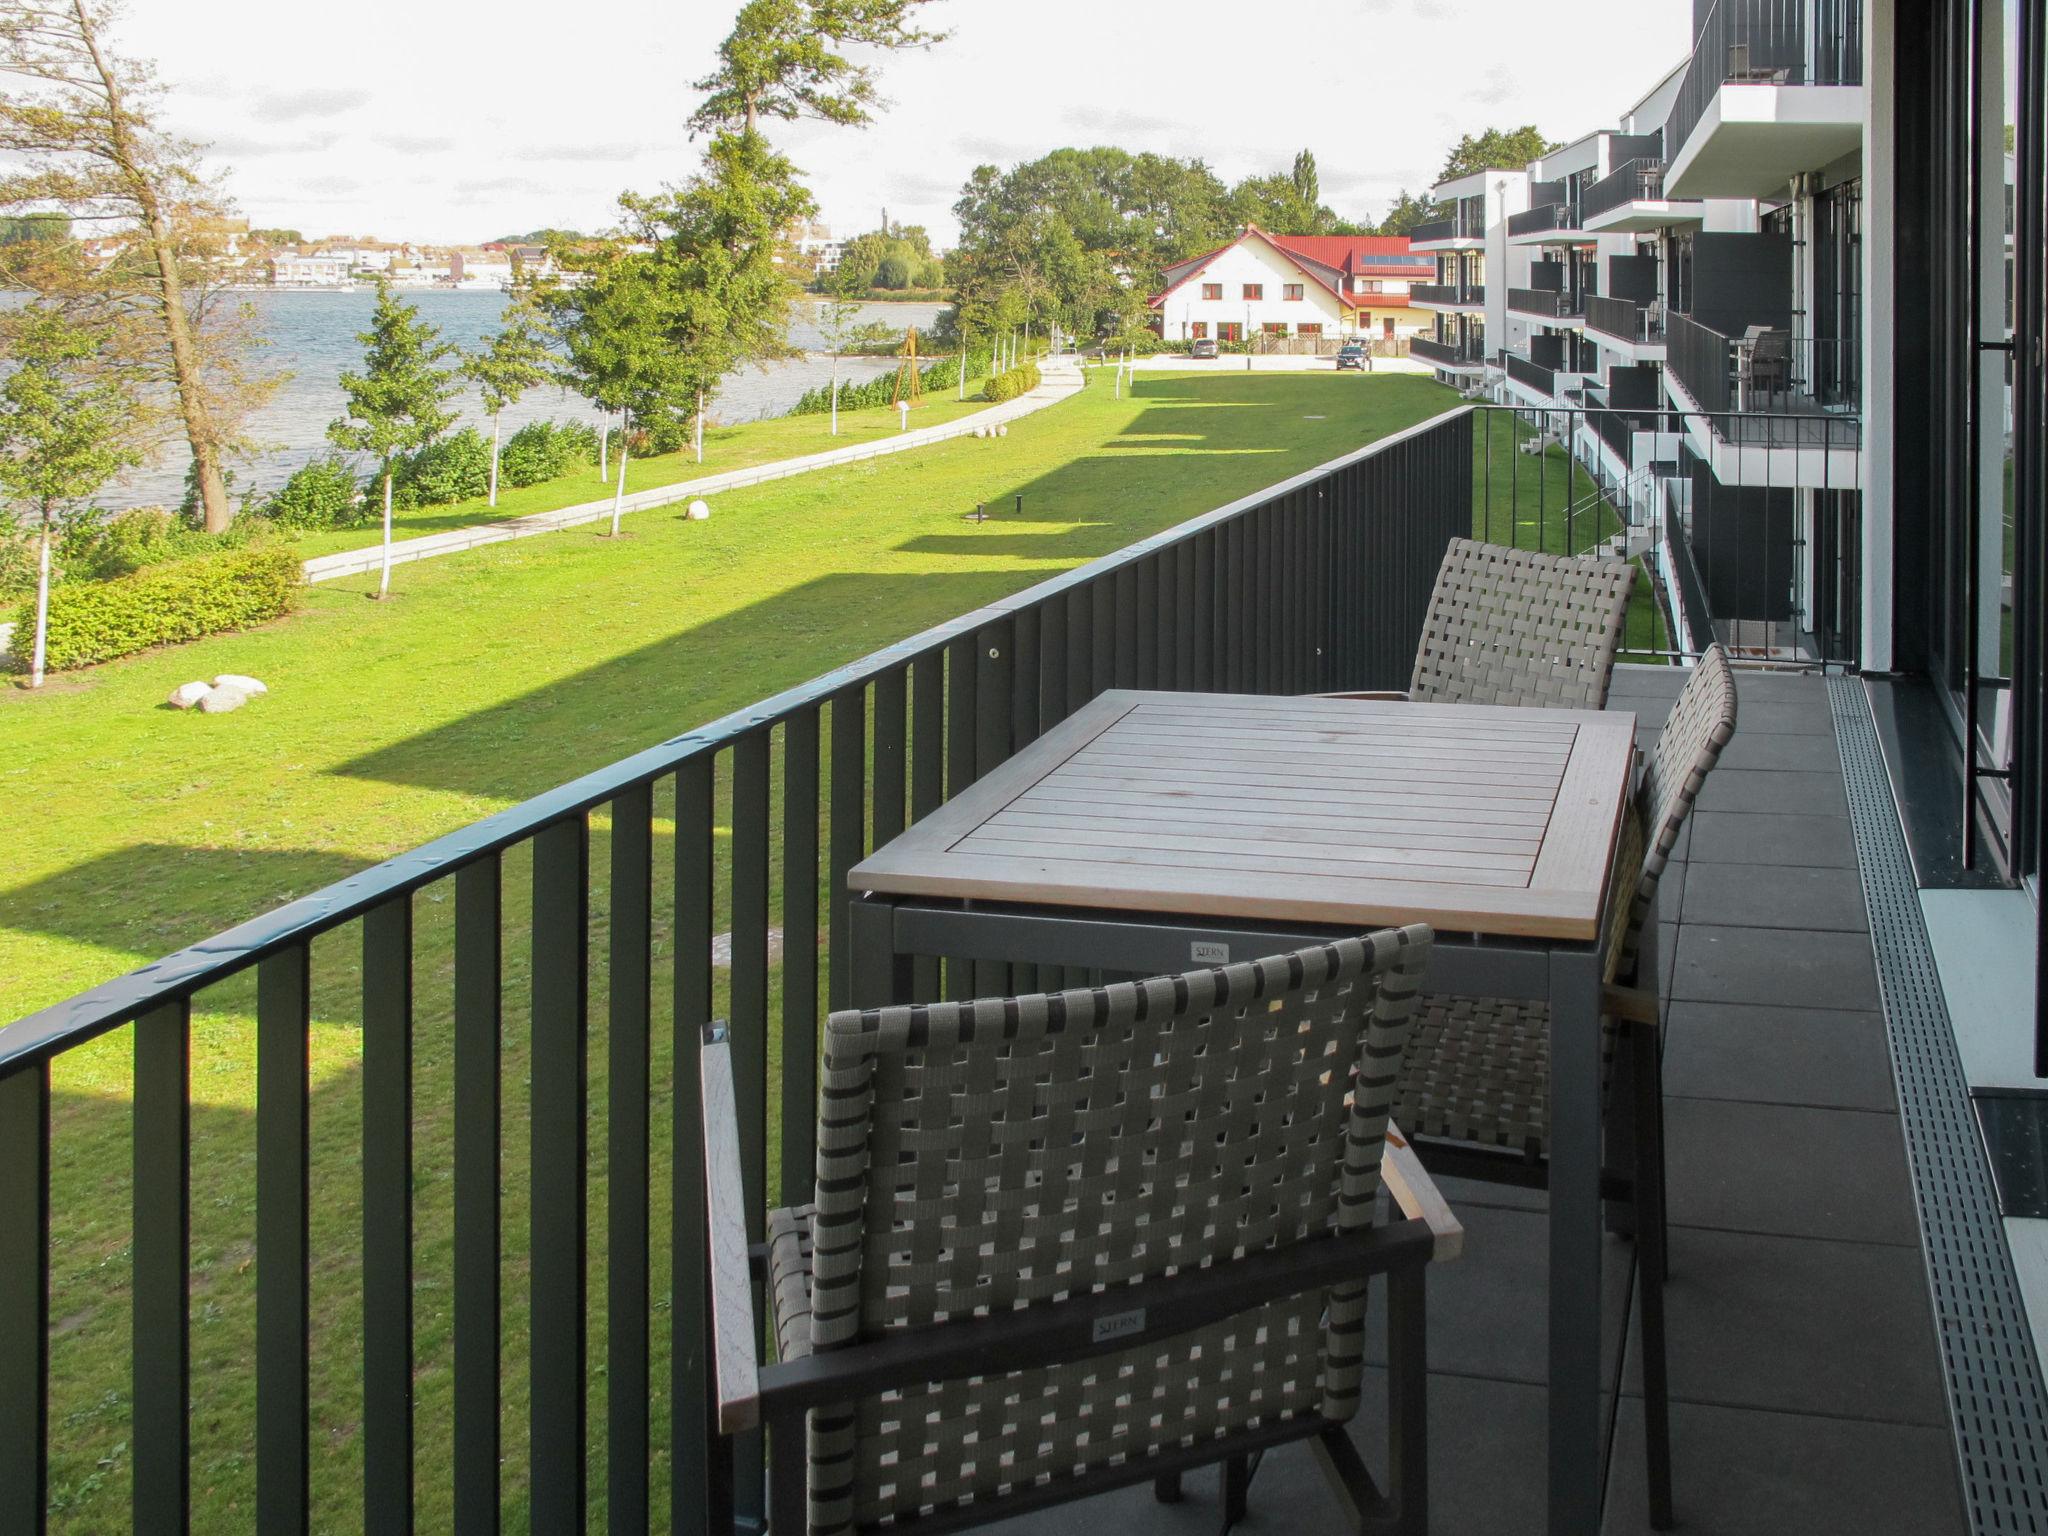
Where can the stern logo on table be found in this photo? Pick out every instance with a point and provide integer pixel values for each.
(1209, 952)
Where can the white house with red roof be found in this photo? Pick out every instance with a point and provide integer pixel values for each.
(1294, 285)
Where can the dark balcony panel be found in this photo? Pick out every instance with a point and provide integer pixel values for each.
(1637, 181)
(1546, 349)
(1544, 194)
(1743, 546)
(1633, 278)
(1635, 387)
(1447, 293)
(1741, 280)
(1547, 276)
(1446, 354)
(1623, 147)
(1531, 373)
(1560, 217)
(1622, 319)
(1434, 229)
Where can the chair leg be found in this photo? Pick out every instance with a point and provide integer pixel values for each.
(1166, 1488)
(1237, 1479)
(788, 1495)
(1650, 1253)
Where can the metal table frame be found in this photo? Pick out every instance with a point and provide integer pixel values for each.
(888, 931)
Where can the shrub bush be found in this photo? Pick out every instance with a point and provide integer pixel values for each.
(546, 450)
(324, 493)
(101, 546)
(1009, 385)
(875, 392)
(96, 621)
(457, 468)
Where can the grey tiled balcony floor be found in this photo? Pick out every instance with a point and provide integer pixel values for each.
(1806, 1389)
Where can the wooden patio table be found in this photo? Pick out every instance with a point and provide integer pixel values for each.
(1154, 832)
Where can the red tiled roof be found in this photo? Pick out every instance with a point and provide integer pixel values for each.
(1353, 254)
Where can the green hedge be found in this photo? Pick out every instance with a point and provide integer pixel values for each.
(1008, 386)
(943, 374)
(163, 604)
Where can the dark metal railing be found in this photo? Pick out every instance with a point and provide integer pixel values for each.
(1546, 303)
(1317, 583)
(1773, 374)
(1624, 319)
(1766, 42)
(1447, 293)
(1462, 225)
(1534, 375)
(1639, 181)
(1551, 217)
(1449, 355)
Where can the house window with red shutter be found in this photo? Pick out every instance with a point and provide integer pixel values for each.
(1199, 329)
(1254, 291)
(1212, 290)
(1291, 292)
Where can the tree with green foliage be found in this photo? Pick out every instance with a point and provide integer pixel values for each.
(397, 404)
(80, 136)
(519, 358)
(1496, 149)
(1307, 185)
(67, 426)
(839, 321)
(779, 61)
(1405, 212)
(618, 323)
(35, 229)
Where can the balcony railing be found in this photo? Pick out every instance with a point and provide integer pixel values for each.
(1545, 303)
(1533, 375)
(1462, 225)
(1765, 42)
(1447, 293)
(1317, 583)
(1639, 181)
(1624, 319)
(1446, 354)
(1560, 218)
(1742, 381)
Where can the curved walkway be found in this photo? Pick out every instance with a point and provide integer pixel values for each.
(1061, 378)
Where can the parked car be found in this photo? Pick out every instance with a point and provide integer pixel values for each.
(1205, 347)
(1352, 355)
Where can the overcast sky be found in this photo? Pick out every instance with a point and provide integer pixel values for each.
(452, 122)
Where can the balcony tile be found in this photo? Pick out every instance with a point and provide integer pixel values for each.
(1788, 968)
(1799, 1325)
(1762, 749)
(1764, 896)
(1787, 792)
(1759, 714)
(1788, 1169)
(1771, 837)
(1735, 1472)
(1825, 1058)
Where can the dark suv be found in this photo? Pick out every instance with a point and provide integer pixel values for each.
(1351, 355)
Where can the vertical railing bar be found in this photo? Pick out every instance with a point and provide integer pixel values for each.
(559, 1173)
(849, 789)
(995, 679)
(927, 777)
(891, 755)
(700, 1499)
(25, 1298)
(1185, 668)
(387, 1216)
(1052, 662)
(283, 1012)
(628, 1077)
(799, 954)
(479, 948)
(1129, 651)
(751, 797)
(161, 1333)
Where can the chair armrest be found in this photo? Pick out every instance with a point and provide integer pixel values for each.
(1632, 1005)
(734, 1332)
(1418, 1197)
(1393, 695)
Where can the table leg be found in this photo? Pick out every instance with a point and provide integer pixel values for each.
(1576, 1471)
(877, 974)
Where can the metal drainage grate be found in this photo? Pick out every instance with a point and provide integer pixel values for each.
(1996, 1397)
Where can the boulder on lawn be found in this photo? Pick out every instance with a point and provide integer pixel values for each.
(185, 695)
(1002, 429)
(219, 701)
(247, 684)
(699, 510)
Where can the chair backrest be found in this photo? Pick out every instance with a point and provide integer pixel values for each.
(978, 1157)
(1511, 626)
(1773, 347)
(1698, 727)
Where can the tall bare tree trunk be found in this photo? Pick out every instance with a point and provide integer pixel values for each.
(619, 489)
(700, 426)
(494, 458)
(604, 447)
(177, 324)
(384, 577)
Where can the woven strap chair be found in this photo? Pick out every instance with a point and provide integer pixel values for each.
(1512, 626)
(1063, 1243)
(1475, 1084)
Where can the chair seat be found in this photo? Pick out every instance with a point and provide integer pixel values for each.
(1478, 1070)
(789, 1279)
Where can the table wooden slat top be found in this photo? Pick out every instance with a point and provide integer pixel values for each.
(1475, 818)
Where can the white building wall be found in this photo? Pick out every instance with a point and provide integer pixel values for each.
(1253, 262)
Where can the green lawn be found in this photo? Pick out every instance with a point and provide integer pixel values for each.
(725, 448)
(490, 676)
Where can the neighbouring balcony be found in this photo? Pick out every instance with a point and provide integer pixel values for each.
(549, 968)
(1632, 198)
(1772, 89)
(1454, 357)
(1767, 385)
(1532, 375)
(1625, 321)
(1465, 227)
(1547, 304)
(1447, 295)
(1557, 222)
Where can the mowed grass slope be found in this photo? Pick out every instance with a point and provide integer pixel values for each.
(492, 675)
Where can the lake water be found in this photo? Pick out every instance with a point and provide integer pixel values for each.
(312, 336)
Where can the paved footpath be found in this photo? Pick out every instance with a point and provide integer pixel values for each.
(1061, 378)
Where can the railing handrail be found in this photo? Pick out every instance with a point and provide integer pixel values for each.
(1638, 180)
(93, 1012)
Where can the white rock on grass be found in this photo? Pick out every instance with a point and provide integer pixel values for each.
(1002, 429)
(247, 684)
(219, 701)
(699, 511)
(185, 695)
